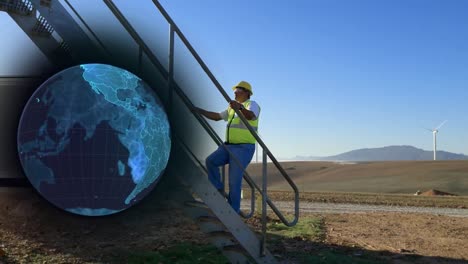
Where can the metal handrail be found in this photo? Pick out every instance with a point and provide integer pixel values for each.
(88, 28)
(24, 6)
(244, 120)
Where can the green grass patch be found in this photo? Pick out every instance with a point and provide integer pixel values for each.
(308, 228)
(312, 230)
(181, 254)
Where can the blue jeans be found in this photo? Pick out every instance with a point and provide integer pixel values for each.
(244, 154)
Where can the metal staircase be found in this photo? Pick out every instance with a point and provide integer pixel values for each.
(215, 217)
(17, 7)
(38, 30)
(51, 27)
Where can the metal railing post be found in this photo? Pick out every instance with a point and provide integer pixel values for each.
(170, 77)
(264, 204)
(140, 60)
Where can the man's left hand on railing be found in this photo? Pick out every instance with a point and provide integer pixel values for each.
(235, 105)
(240, 107)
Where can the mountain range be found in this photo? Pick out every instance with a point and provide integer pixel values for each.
(386, 154)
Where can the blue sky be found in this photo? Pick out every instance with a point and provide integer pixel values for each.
(330, 76)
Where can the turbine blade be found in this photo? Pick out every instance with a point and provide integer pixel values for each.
(440, 125)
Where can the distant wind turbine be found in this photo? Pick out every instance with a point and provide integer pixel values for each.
(434, 134)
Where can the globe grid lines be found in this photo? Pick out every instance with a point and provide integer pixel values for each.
(70, 138)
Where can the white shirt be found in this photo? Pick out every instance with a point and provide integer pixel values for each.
(253, 107)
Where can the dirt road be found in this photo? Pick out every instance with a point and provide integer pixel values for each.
(306, 207)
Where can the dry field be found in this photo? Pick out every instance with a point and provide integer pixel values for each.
(402, 237)
(397, 177)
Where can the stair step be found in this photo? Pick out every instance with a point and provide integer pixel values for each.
(211, 227)
(64, 46)
(196, 203)
(223, 241)
(208, 218)
(220, 233)
(238, 258)
(42, 27)
(195, 211)
(236, 248)
(237, 252)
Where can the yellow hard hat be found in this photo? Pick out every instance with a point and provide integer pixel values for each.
(245, 85)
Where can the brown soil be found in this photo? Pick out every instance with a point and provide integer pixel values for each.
(32, 231)
(400, 238)
(425, 235)
(436, 193)
(405, 177)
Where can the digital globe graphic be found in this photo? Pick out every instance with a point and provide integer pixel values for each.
(94, 139)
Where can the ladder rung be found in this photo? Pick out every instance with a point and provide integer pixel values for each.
(208, 218)
(236, 248)
(220, 234)
(195, 203)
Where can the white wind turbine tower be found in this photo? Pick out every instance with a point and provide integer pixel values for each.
(434, 135)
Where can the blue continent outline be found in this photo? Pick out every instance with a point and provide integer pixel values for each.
(143, 135)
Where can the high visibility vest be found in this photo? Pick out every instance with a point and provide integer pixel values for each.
(236, 131)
